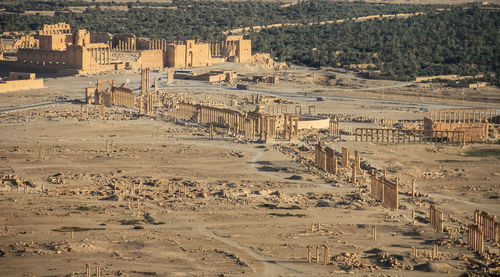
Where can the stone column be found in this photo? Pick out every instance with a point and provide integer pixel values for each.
(354, 175)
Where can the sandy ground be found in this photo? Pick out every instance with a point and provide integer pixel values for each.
(248, 207)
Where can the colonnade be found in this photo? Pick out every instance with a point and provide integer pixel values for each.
(226, 118)
(291, 126)
(129, 44)
(277, 109)
(487, 224)
(156, 44)
(333, 128)
(462, 115)
(145, 80)
(100, 54)
(325, 159)
(385, 190)
(123, 97)
(436, 219)
(476, 239)
(408, 136)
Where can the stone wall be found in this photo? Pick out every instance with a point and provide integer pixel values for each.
(189, 54)
(14, 85)
(90, 58)
(151, 59)
(313, 123)
(473, 131)
(101, 37)
(55, 42)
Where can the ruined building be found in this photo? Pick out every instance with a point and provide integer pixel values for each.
(59, 48)
(476, 124)
(20, 81)
(188, 53)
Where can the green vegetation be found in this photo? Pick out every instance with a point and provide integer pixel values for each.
(483, 152)
(76, 229)
(287, 214)
(461, 40)
(273, 207)
(456, 41)
(454, 161)
(203, 20)
(130, 221)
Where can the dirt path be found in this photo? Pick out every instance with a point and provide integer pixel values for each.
(271, 267)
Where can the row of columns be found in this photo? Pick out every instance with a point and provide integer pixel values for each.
(130, 44)
(385, 190)
(291, 126)
(216, 49)
(463, 116)
(123, 98)
(156, 44)
(277, 109)
(97, 270)
(100, 54)
(476, 239)
(256, 98)
(267, 127)
(333, 128)
(251, 123)
(487, 224)
(282, 109)
(325, 159)
(408, 136)
(436, 219)
(233, 120)
(326, 253)
(146, 103)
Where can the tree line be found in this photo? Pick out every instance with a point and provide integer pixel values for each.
(456, 41)
(181, 19)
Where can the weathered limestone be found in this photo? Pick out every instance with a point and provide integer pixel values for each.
(110, 145)
(84, 112)
(211, 131)
(113, 96)
(99, 111)
(476, 241)
(97, 270)
(326, 253)
(291, 126)
(357, 163)
(88, 95)
(409, 136)
(436, 219)
(320, 159)
(488, 225)
(473, 122)
(312, 110)
(333, 129)
(345, 157)
(413, 189)
(385, 190)
(435, 252)
(146, 98)
(20, 81)
(354, 174)
(331, 161)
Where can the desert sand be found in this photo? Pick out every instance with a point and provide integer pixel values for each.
(166, 200)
